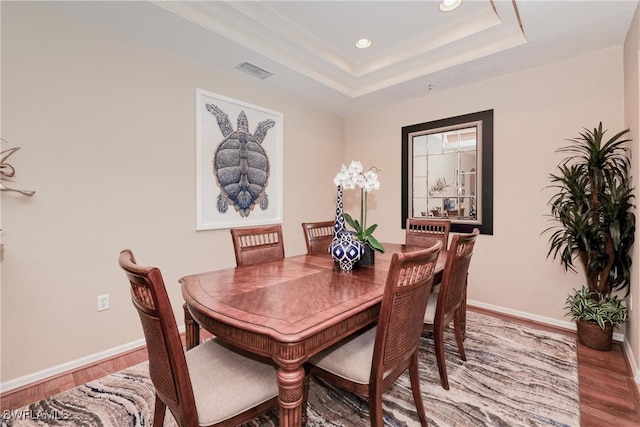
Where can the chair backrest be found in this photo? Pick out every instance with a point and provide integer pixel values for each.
(454, 277)
(167, 364)
(255, 245)
(404, 302)
(425, 232)
(318, 236)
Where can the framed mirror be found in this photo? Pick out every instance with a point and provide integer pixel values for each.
(447, 171)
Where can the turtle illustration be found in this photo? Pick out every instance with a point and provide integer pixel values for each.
(240, 164)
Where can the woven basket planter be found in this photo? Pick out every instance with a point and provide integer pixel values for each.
(593, 336)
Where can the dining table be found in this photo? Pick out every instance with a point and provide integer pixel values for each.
(288, 310)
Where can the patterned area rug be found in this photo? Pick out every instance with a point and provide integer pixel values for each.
(513, 376)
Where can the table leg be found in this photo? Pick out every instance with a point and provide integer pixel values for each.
(290, 399)
(192, 329)
(305, 397)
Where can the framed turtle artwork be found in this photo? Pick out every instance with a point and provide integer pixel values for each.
(238, 163)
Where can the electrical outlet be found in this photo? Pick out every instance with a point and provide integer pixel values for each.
(103, 302)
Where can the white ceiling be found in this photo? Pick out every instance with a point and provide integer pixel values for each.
(417, 50)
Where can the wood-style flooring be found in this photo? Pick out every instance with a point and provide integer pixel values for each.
(608, 393)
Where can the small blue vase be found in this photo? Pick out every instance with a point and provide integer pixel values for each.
(344, 248)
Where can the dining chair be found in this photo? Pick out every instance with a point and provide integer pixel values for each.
(370, 361)
(449, 301)
(318, 236)
(255, 245)
(424, 232)
(208, 385)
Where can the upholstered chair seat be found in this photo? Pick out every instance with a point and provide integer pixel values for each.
(351, 359)
(225, 384)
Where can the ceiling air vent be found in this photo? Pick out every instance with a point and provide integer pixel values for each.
(254, 70)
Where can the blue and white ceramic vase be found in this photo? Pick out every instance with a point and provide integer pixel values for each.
(344, 249)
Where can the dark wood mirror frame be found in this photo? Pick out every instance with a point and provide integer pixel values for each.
(485, 222)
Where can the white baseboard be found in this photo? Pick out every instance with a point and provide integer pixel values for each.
(568, 325)
(632, 361)
(522, 314)
(69, 366)
(73, 365)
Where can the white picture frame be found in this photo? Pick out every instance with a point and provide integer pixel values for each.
(213, 182)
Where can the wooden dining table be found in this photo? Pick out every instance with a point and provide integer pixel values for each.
(288, 310)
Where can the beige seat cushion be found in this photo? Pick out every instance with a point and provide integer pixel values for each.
(226, 383)
(430, 313)
(351, 358)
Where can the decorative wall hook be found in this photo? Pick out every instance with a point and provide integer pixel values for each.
(7, 171)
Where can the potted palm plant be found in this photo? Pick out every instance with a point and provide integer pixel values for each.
(594, 222)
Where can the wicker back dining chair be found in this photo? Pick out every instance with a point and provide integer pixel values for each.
(370, 361)
(425, 232)
(255, 245)
(449, 301)
(318, 236)
(208, 385)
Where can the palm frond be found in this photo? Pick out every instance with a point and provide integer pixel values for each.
(592, 217)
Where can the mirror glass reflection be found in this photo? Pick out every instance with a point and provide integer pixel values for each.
(445, 173)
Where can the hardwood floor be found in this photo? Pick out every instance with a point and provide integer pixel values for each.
(608, 393)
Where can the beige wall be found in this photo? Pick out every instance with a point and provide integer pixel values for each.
(534, 112)
(632, 121)
(107, 135)
(107, 132)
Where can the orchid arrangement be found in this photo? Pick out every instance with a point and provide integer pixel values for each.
(354, 176)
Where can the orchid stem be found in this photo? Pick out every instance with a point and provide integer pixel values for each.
(363, 209)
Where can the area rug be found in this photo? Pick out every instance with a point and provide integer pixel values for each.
(514, 376)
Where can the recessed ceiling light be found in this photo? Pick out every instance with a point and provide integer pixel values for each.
(449, 5)
(363, 43)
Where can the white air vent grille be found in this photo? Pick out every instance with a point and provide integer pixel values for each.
(254, 70)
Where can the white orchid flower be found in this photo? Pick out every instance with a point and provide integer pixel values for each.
(351, 177)
(349, 184)
(357, 166)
